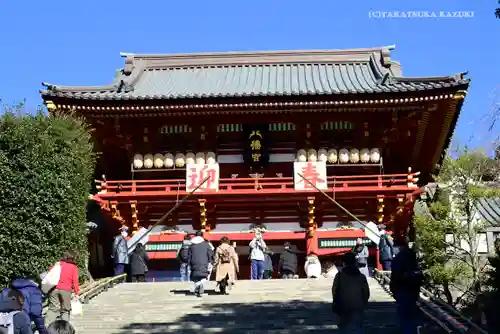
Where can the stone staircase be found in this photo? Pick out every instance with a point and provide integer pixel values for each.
(268, 306)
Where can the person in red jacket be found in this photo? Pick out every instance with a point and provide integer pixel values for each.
(60, 297)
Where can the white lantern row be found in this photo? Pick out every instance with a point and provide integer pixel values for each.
(343, 155)
(168, 160)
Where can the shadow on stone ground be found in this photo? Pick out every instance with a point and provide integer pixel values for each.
(269, 317)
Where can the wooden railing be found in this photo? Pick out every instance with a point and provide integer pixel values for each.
(271, 184)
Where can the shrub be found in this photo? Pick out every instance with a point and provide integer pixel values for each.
(46, 168)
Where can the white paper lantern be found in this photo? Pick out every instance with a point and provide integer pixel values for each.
(200, 158)
(138, 161)
(354, 156)
(322, 155)
(148, 161)
(375, 155)
(344, 156)
(332, 155)
(211, 158)
(312, 155)
(168, 162)
(364, 155)
(190, 158)
(158, 160)
(301, 156)
(179, 160)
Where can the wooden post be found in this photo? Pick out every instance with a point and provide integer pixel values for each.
(311, 235)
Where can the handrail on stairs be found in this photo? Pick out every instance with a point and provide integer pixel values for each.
(102, 285)
(92, 290)
(443, 309)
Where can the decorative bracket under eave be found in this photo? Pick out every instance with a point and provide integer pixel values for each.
(311, 224)
(115, 213)
(135, 220)
(203, 215)
(380, 209)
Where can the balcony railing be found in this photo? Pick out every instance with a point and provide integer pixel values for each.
(397, 182)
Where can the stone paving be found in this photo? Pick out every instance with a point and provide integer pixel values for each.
(269, 306)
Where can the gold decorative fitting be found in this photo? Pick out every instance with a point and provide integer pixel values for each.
(460, 95)
(50, 105)
(203, 215)
(135, 220)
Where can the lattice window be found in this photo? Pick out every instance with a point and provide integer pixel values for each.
(337, 126)
(175, 129)
(281, 127)
(229, 128)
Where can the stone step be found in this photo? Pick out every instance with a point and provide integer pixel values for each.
(268, 306)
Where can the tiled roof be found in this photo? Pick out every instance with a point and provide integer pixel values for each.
(489, 209)
(283, 73)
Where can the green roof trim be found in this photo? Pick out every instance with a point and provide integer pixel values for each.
(341, 243)
(163, 247)
(256, 74)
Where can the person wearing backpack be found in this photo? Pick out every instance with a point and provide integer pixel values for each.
(226, 265)
(60, 297)
(350, 294)
(33, 298)
(183, 257)
(13, 320)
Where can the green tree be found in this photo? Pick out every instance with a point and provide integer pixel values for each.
(46, 168)
(448, 232)
(497, 11)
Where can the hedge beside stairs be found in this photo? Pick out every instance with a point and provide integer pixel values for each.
(46, 169)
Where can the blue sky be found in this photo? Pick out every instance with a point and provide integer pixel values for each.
(78, 42)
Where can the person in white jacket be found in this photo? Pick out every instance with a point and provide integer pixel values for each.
(312, 267)
(257, 257)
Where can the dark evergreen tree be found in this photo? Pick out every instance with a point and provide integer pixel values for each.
(46, 168)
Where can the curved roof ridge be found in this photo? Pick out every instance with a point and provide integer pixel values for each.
(258, 53)
(454, 77)
(55, 88)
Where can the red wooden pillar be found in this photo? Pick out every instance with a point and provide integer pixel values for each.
(312, 243)
(377, 258)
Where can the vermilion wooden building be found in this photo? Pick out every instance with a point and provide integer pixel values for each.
(346, 119)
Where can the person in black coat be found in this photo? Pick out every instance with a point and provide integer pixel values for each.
(350, 293)
(406, 281)
(139, 264)
(287, 265)
(386, 249)
(201, 255)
